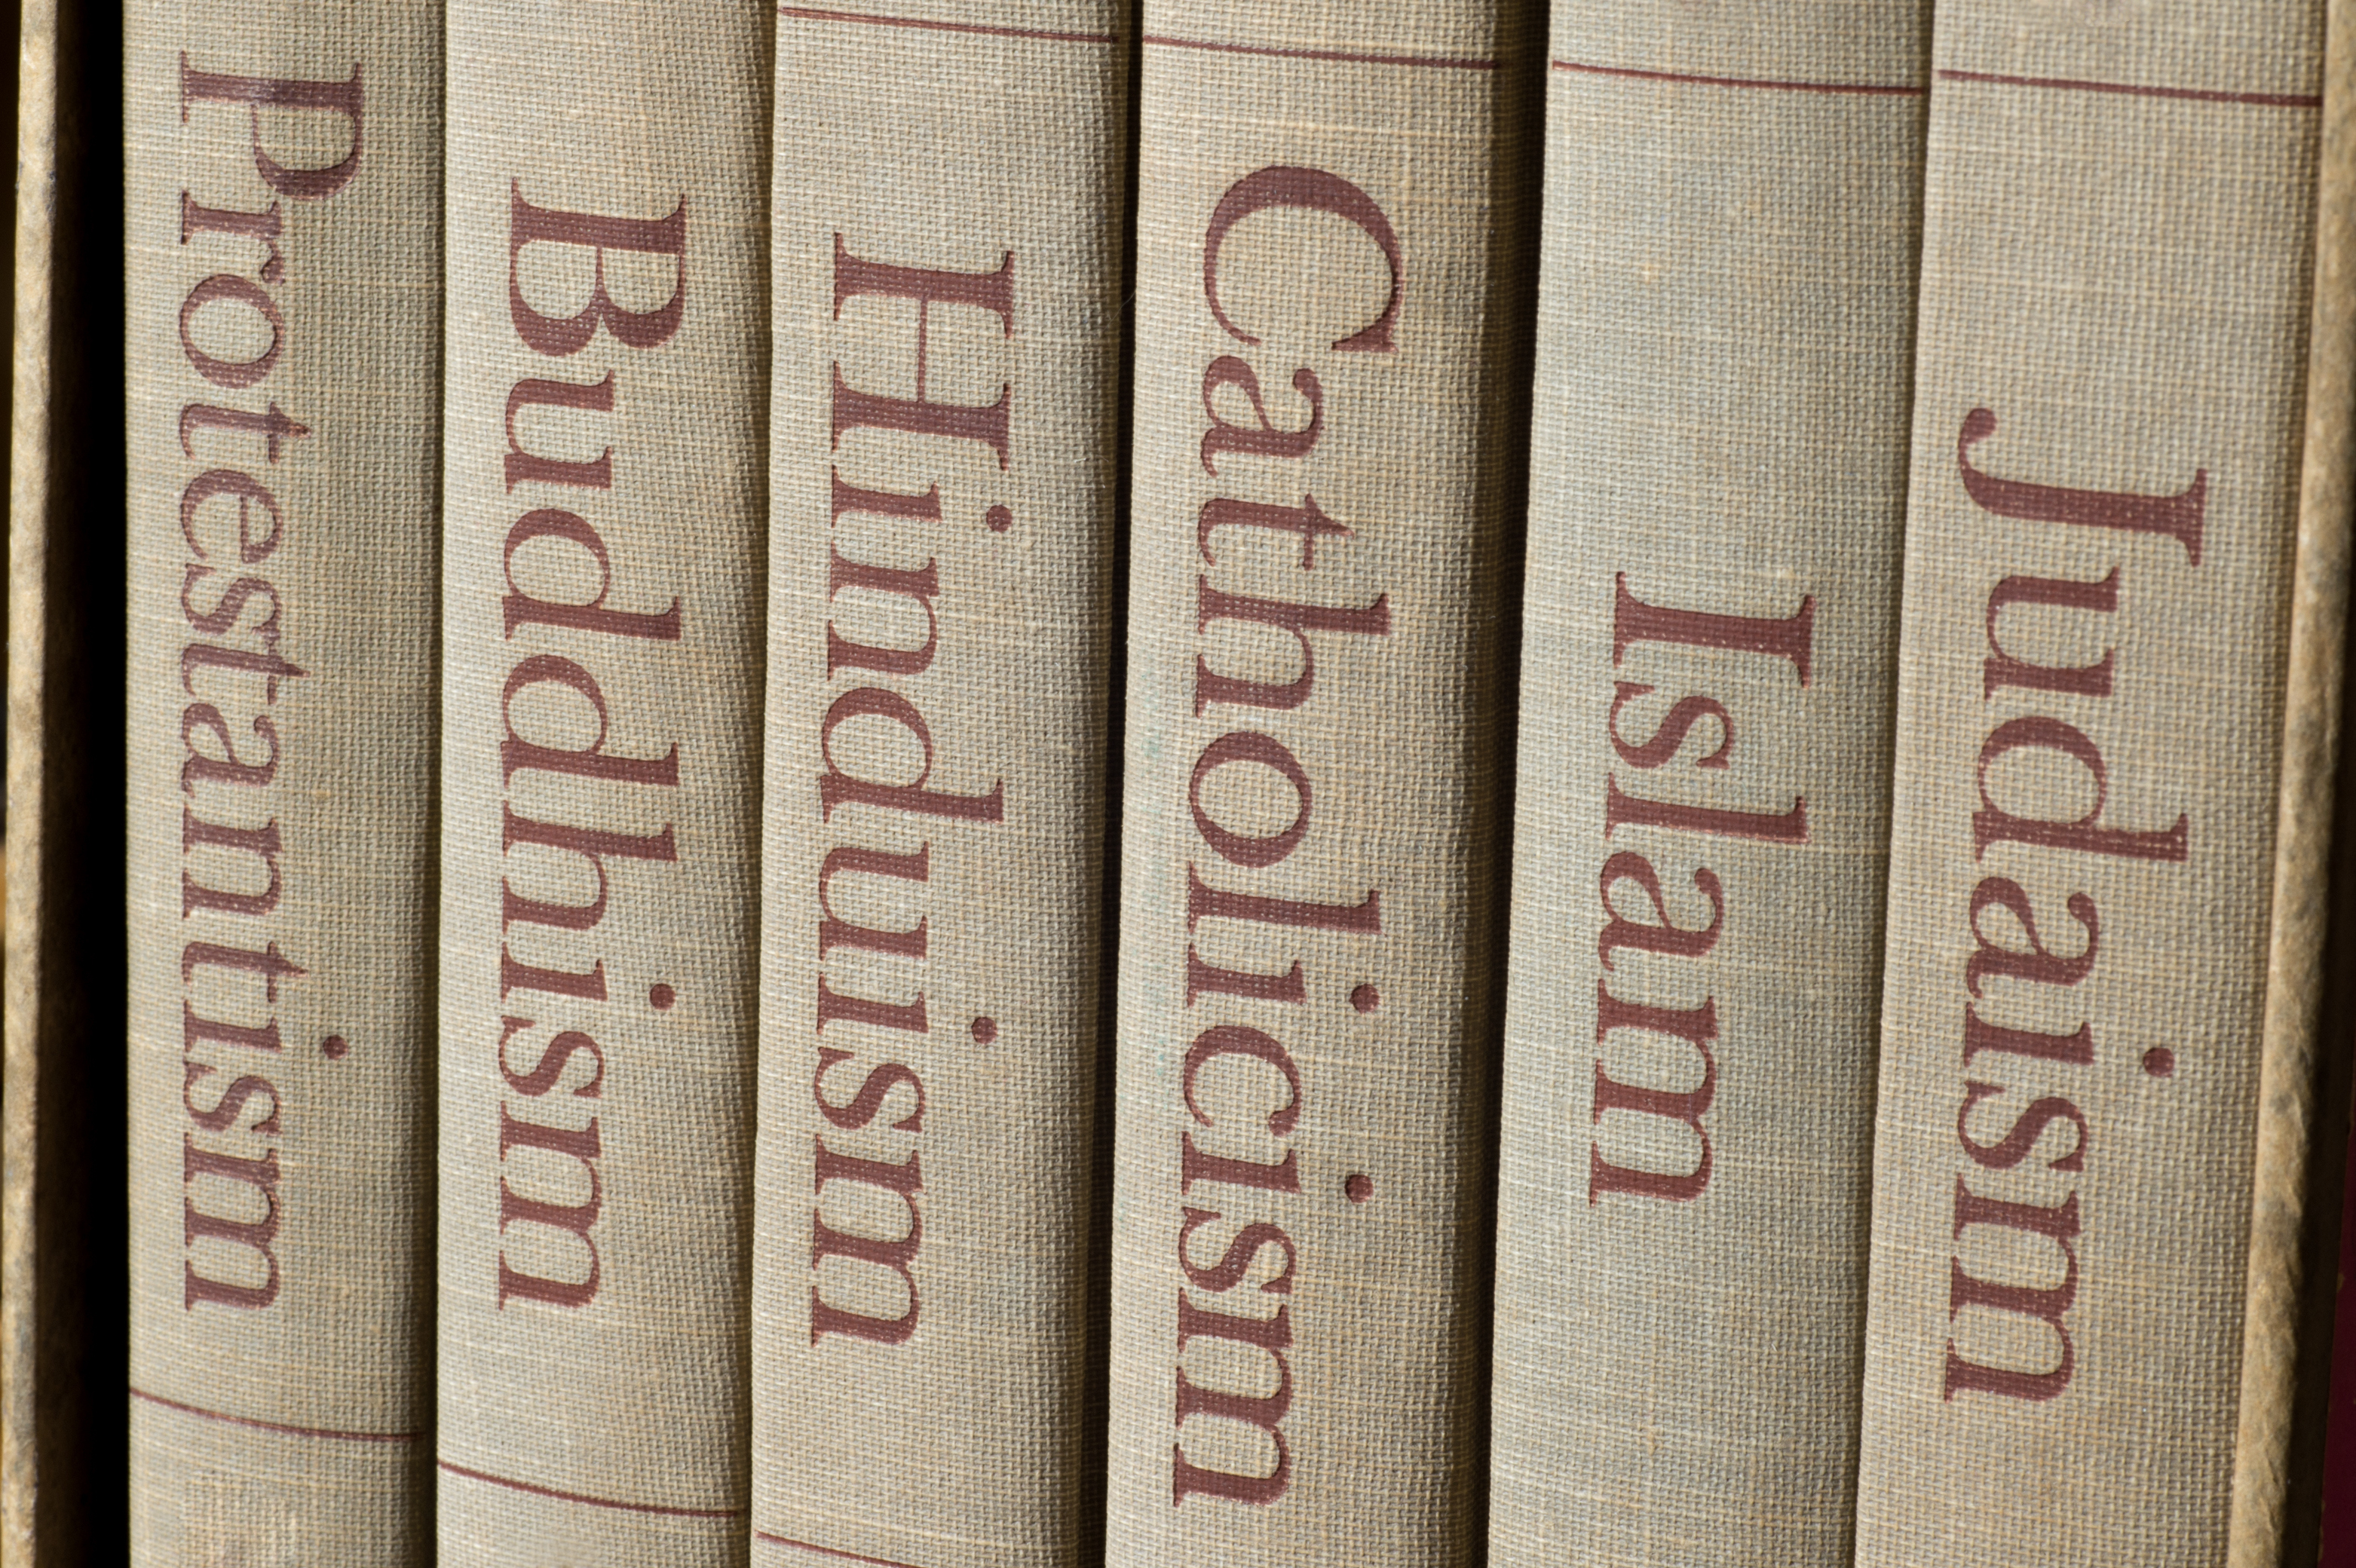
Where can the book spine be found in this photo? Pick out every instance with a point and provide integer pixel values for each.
(2295, 1042)
(2117, 256)
(282, 265)
(63, 1257)
(1709, 660)
(1333, 286)
(603, 560)
(946, 273)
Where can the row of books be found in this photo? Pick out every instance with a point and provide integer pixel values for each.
(1013, 782)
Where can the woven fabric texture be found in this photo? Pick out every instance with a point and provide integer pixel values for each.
(603, 560)
(946, 272)
(2114, 310)
(1718, 490)
(284, 290)
(1335, 277)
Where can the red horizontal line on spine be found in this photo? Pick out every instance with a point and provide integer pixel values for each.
(811, 13)
(282, 1428)
(2138, 90)
(563, 1497)
(763, 1535)
(1438, 62)
(1868, 89)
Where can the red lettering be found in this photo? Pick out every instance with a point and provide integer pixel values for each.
(1269, 439)
(248, 491)
(560, 335)
(1210, 605)
(597, 473)
(2046, 1305)
(228, 286)
(1792, 638)
(262, 843)
(1697, 1027)
(554, 1058)
(260, 92)
(848, 860)
(594, 845)
(1206, 903)
(576, 1218)
(1667, 936)
(1671, 734)
(522, 608)
(1317, 191)
(906, 1179)
(1267, 752)
(226, 610)
(259, 1235)
(1622, 809)
(2026, 1128)
(225, 1111)
(1305, 520)
(2040, 965)
(1205, 978)
(2000, 669)
(229, 768)
(922, 586)
(836, 786)
(994, 292)
(2076, 1047)
(1992, 825)
(873, 1091)
(1266, 1412)
(1239, 1039)
(263, 228)
(518, 754)
(1242, 1253)
(834, 1008)
(2176, 517)
(274, 427)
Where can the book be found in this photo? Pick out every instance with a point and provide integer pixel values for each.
(1335, 277)
(604, 497)
(63, 1290)
(281, 267)
(1709, 658)
(2087, 1071)
(2304, 1071)
(946, 269)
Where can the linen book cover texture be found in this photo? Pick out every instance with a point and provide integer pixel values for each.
(2117, 250)
(604, 562)
(1709, 653)
(1334, 284)
(284, 280)
(945, 245)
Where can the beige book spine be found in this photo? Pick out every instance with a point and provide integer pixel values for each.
(2292, 1040)
(603, 560)
(946, 272)
(1333, 285)
(61, 1180)
(2118, 251)
(282, 271)
(1709, 664)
